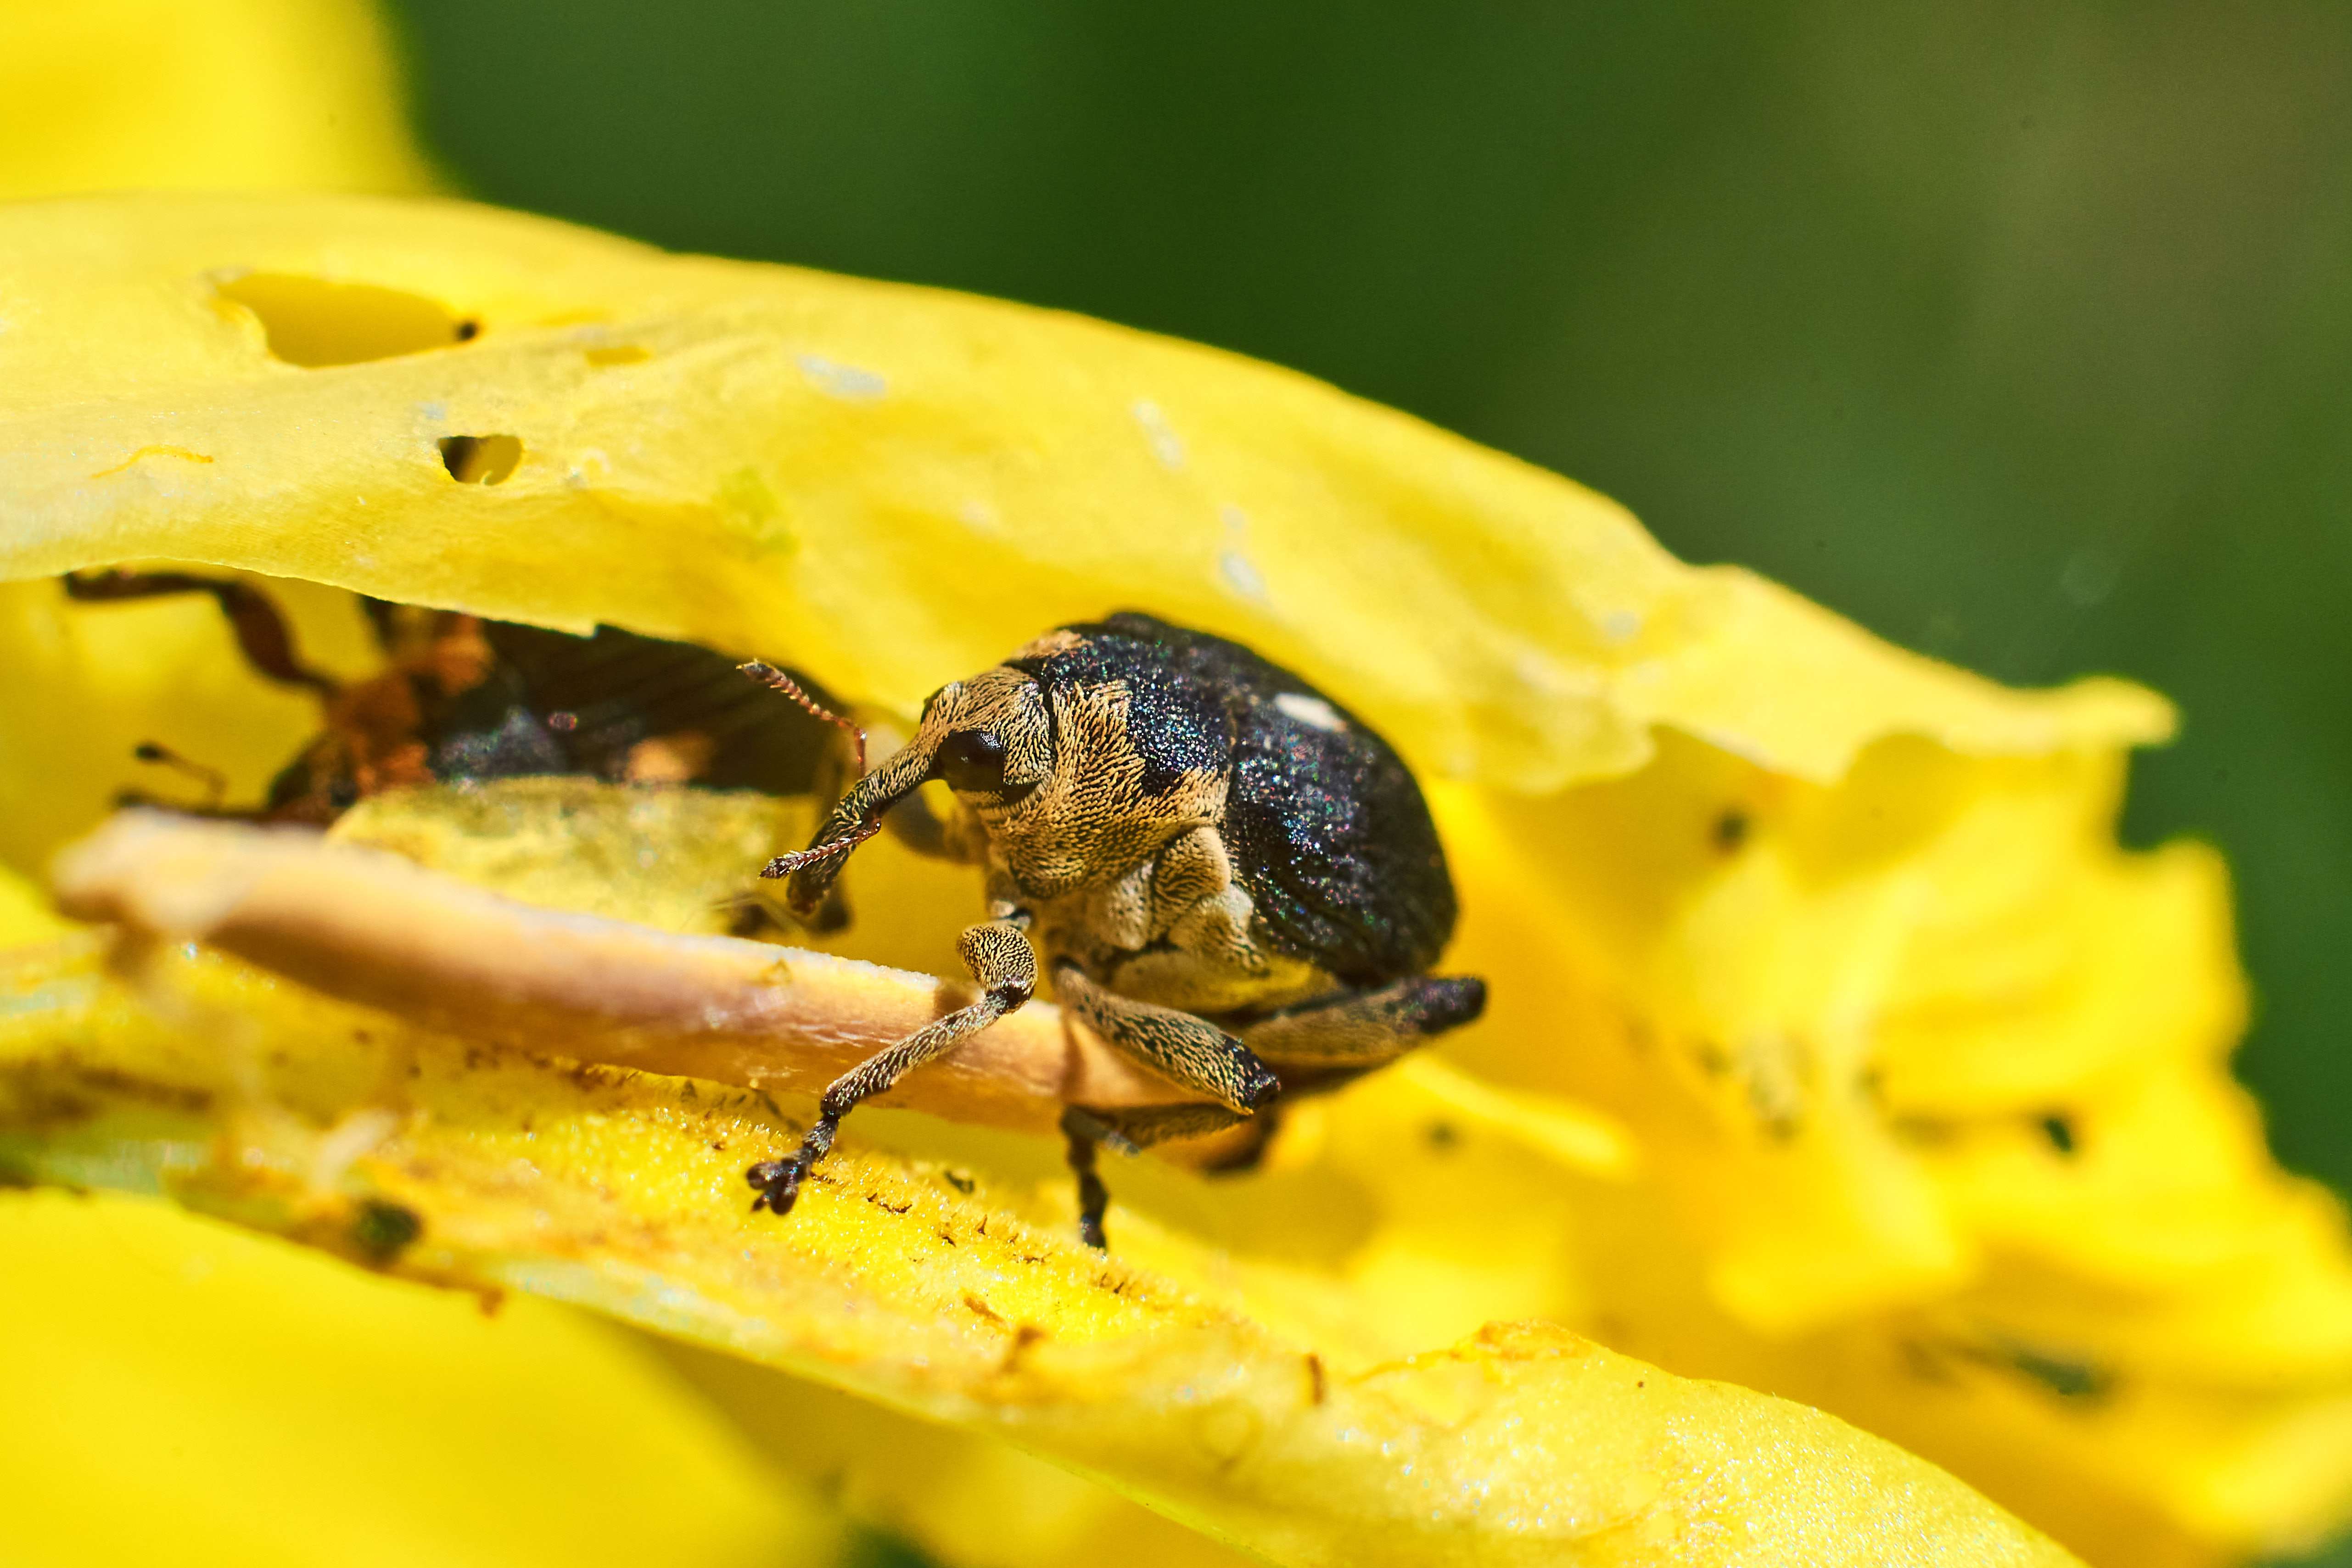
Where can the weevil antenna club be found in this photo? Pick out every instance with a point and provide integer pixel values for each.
(801, 859)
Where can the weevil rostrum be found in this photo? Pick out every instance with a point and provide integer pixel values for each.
(1225, 874)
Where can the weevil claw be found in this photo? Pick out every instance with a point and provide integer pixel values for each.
(778, 1182)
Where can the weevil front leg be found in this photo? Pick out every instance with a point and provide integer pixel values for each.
(1186, 1050)
(998, 954)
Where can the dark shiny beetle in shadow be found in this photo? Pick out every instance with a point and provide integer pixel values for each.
(462, 698)
(1223, 872)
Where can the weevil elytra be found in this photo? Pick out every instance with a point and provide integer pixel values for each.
(464, 698)
(1223, 872)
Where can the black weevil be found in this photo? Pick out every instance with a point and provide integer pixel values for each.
(463, 698)
(1224, 873)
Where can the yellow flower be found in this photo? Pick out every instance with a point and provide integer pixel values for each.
(200, 94)
(1836, 1050)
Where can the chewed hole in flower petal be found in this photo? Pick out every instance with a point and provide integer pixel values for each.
(480, 459)
(315, 322)
(1781, 899)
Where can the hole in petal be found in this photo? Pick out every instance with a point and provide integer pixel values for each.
(480, 459)
(313, 322)
(2058, 1129)
(1730, 831)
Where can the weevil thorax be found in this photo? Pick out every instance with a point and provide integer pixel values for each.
(1085, 792)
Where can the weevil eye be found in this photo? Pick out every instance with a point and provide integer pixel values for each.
(971, 760)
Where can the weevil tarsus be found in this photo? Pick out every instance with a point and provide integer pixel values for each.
(1084, 1135)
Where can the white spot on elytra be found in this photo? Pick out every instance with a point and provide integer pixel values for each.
(979, 516)
(1166, 445)
(1621, 625)
(1311, 710)
(850, 382)
(1240, 575)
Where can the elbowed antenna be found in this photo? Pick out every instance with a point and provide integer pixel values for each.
(854, 819)
(776, 679)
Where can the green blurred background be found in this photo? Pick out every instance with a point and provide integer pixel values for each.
(2021, 333)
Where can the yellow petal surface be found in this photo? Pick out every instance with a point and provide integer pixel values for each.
(1933, 1074)
(1916, 1063)
(927, 1289)
(878, 483)
(173, 1390)
(206, 94)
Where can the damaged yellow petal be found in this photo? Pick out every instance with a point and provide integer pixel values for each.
(882, 485)
(1916, 1064)
(1933, 1074)
(926, 1289)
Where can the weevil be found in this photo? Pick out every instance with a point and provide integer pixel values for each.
(464, 698)
(1228, 876)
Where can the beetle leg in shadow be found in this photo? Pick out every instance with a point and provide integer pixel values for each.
(1319, 1045)
(1128, 1130)
(1352, 1031)
(999, 955)
(261, 631)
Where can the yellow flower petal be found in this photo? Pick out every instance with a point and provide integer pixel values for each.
(962, 1497)
(827, 465)
(172, 1390)
(456, 1165)
(208, 94)
(26, 917)
(1836, 933)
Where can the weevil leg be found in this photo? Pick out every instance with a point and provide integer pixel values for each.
(1186, 1050)
(1084, 1137)
(1130, 1129)
(262, 634)
(1352, 1032)
(1318, 1046)
(999, 955)
(1181, 1048)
